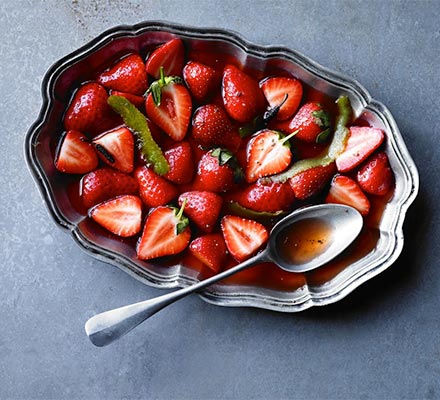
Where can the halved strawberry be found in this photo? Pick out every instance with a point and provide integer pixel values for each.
(121, 215)
(166, 232)
(202, 208)
(134, 99)
(88, 112)
(217, 171)
(127, 75)
(116, 148)
(242, 96)
(243, 237)
(210, 249)
(200, 79)
(268, 153)
(376, 176)
(105, 183)
(271, 197)
(312, 123)
(276, 89)
(211, 126)
(170, 56)
(169, 106)
(362, 141)
(153, 189)
(344, 190)
(180, 160)
(311, 181)
(75, 154)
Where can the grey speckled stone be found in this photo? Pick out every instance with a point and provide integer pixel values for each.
(382, 341)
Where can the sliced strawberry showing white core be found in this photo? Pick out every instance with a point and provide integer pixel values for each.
(116, 148)
(344, 190)
(285, 91)
(166, 232)
(243, 237)
(76, 154)
(362, 141)
(121, 215)
(268, 153)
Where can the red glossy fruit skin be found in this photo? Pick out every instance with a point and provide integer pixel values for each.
(210, 249)
(136, 100)
(275, 89)
(344, 190)
(174, 113)
(121, 215)
(160, 237)
(170, 56)
(311, 181)
(243, 237)
(154, 190)
(211, 126)
(88, 112)
(266, 155)
(375, 176)
(105, 183)
(242, 96)
(116, 149)
(181, 163)
(127, 75)
(200, 79)
(75, 154)
(212, 176)
(261, 197)
(361, 143)
(306, 123)
(202, 207)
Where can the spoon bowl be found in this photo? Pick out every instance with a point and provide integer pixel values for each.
(295, 250)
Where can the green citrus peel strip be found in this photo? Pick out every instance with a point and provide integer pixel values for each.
(137, 122)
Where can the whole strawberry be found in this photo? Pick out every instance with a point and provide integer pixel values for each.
(127, 75)
(200, 79)
(88, 112)
(312, 123)
(376, 176)
(169, 56)
(180, 161)
(210, 249)
(242, 96)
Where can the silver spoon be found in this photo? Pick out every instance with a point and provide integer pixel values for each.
(292, 249)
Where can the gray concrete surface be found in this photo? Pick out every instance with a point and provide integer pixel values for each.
(382, 342)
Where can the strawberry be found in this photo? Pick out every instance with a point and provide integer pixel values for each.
(105, 183)
(268, 152)
(375, 176)
(127, 75)
(169, 106)
(121, 215)
(154, 190)
(344, 190)
(271, 197)
(170, 56)
(276, 89)
(242, 97)
(180, 160)
(202, 208)
(88, 112)
(116, 148)
(138, 101)
(312, 123)
(310, 182)
(243, 237)
(166, 232)
(75, 154)
(210, 249)
(217, 171)
(200, 79)
(211, 126)
(362, 141)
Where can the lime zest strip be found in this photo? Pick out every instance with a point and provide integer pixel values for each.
(137, 122)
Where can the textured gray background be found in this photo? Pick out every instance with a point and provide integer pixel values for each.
(382, 341)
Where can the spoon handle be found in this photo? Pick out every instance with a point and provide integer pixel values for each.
(104, 328)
